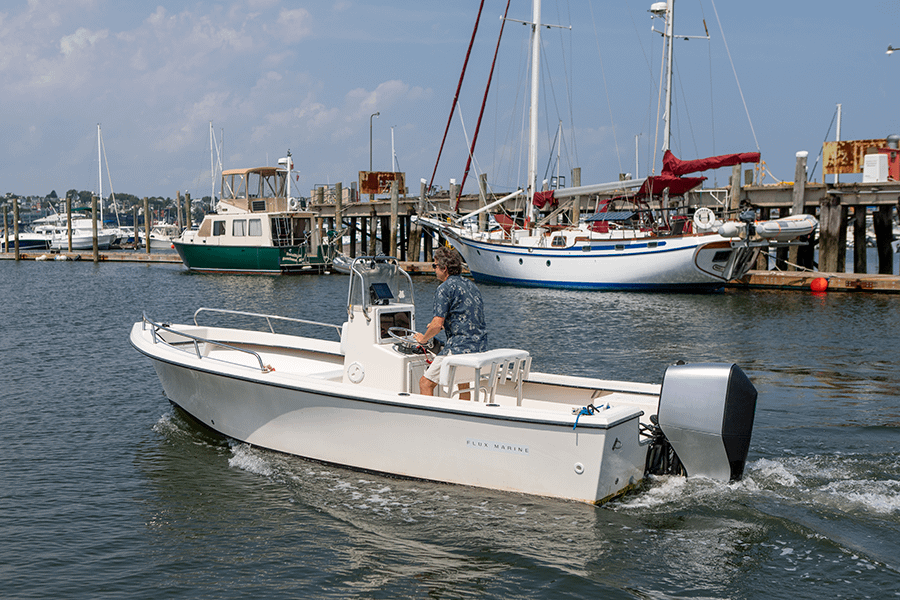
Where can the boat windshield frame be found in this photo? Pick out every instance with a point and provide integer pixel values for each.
(368, 277)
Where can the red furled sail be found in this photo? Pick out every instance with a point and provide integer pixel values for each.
(674, 168)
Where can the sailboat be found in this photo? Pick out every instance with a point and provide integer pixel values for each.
(623, 246)
(82, 235)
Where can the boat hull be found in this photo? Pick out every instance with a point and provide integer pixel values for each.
(81, 242)
(407, 435)
(686, 263)
(27, 241)
(248, 259)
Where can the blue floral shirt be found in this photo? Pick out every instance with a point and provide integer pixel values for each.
(458, 302)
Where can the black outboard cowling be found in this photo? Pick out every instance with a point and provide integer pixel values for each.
(706, 413)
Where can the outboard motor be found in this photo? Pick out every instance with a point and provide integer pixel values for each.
(706, 413)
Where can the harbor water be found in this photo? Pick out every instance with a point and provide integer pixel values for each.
(107, 491)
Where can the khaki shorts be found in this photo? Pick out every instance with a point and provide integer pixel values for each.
(433, 372)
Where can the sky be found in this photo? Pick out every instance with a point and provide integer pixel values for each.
(273, 76)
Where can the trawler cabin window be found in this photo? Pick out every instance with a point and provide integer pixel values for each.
(239, 228)
(219, 228)
(255, 227)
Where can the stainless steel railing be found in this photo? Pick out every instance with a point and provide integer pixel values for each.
(268, 318)
(156, 327)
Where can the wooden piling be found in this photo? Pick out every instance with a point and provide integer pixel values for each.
(373, 228)
(5, 228)
(832, 234)
(188, 217)
(881, 222)
(395, 214)
(734, 198)
(798, 197)
(146, 225)
(134, 224)
(338, 214)
(69, 221)
(859, 239)
(178, 221)
(94, 245)
(576, 204)
(16, 226)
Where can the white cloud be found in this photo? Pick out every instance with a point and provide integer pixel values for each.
(81, 39)
(293, 25)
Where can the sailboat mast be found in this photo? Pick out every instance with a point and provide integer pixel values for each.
(533, 116)
(670, 27)
(100, 172)
(212, 170)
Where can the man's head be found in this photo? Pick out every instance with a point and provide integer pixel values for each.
(447, 259)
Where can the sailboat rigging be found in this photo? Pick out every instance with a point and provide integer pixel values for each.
(615, 249)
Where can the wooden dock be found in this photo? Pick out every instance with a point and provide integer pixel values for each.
(802, 281)
(104, 256)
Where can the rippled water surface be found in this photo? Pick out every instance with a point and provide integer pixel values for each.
(107, 491)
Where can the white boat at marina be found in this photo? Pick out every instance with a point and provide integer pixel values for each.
(28, 240)
(56, 227)
(162, 236)
(353, 400)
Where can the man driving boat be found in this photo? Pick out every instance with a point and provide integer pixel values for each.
(458, 309)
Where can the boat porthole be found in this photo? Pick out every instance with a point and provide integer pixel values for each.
(212, 421)
(548, 263)
(520, 261)
(579, 468)
(498, 258)
(478, 252)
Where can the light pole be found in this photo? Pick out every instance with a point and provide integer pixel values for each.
(370, 138)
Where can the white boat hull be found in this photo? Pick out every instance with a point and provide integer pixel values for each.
(81, 241)
(441, 439)
(677, 263)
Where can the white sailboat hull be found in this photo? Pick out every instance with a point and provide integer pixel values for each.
(690, 263)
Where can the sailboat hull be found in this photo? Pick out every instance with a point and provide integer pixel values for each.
(686, 263)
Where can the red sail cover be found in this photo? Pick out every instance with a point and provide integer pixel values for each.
(677, 166)
(543, 198)
(674, 167)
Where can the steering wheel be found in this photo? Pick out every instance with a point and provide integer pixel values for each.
(405, 336)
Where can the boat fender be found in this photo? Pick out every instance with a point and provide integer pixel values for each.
(294, 204)
(704, 218)
(731, 229)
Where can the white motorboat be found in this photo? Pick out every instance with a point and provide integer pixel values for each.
(354, 400)
(56, 228)
(28, 240)
(162, 236)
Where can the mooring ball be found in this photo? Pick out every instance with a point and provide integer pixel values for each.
(819, 284)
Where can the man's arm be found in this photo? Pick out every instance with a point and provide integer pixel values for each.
(432, 330)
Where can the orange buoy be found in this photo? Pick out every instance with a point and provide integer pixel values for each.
(819, 284)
